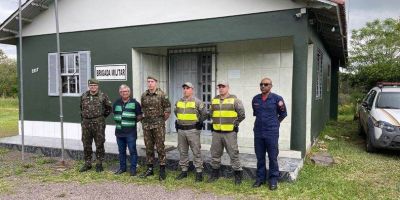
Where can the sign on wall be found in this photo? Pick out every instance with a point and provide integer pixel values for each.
(111, 72)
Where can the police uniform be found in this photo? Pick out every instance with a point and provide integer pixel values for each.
(190, 115)
(154, 105)
(94, 109)
(268, 115)
(226, 115)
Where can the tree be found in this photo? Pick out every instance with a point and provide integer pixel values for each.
(8, 76)
(375, 53)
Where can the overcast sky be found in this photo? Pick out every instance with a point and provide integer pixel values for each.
(359, 12)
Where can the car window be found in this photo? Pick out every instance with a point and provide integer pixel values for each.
(389, 100)
(366, 96)
(371, 98)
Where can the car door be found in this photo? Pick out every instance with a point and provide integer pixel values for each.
(366, 109)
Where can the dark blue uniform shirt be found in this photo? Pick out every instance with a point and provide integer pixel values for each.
(268, 114)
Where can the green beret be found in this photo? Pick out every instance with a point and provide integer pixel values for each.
(93, 81)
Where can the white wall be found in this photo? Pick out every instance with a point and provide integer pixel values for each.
(310, 65)
(252, 60)
(78, 15)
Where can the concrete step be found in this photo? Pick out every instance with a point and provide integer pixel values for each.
(289, 161)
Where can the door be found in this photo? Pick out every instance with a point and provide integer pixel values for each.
(195, 68)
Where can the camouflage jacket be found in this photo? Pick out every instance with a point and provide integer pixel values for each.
(154, 105)
(94, 106)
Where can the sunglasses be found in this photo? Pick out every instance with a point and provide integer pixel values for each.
(221, 86)
(265, 84)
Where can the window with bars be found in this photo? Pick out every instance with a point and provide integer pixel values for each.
(319, 80)
(74, 73)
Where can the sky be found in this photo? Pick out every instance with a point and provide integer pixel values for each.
(358, 13)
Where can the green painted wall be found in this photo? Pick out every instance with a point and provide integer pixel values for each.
(113, 46)
(320, 112)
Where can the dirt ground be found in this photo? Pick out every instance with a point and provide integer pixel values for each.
(16, 182)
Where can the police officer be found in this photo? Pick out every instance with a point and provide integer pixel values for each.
(269, 110)
(190, 113)
(95, 107)
(227, 112)
(156, 110)
(127, 113)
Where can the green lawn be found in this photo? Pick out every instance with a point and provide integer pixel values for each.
(8, 117)
(355, 175)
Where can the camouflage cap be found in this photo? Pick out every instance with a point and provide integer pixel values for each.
(222, 82)
(93, 81)
(188, 84)
(153, 78)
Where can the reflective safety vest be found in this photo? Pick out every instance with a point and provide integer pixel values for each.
(125, 117)
(186, 112)
(223, 114)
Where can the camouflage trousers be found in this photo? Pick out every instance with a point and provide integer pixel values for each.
(93, 129)
(155, 136)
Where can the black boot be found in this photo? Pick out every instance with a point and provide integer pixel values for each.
(199, 177)
(99, 167)
(163, 175)
(182, 175)
(148, 172)
(238, 177)
(214, 175)
(85, 168)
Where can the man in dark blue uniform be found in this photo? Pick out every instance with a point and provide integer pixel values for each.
(269, 110)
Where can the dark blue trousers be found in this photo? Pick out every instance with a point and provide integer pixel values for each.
(262, 145)
(129, 142)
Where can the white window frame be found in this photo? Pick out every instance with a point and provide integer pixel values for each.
(73, 74)
(320, 75)
(81, 70)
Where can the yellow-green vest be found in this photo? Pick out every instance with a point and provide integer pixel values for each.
(223, 114)
(186, 112)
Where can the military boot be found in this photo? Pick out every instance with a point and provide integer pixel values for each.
(148, 172)
(182, 175)
(238, 177)
(85, 168)
(163, 174)
(214, 176)
(199, 177)
(99, 167)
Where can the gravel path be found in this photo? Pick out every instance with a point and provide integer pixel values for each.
(109, 190)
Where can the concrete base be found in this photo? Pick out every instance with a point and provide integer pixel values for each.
(289, 166)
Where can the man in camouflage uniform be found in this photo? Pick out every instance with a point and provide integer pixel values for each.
(156, 109)
(190, 113)
(95, 107)
(227, 112)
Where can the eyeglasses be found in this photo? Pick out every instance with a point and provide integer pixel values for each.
(265, 84)
(221, 86)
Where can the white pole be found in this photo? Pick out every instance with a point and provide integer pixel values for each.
(60, 81)
(21, 85)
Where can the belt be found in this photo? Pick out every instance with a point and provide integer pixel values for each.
(187, 127)
(222, 131)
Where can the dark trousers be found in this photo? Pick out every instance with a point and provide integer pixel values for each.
(262, 145)
(129, 142)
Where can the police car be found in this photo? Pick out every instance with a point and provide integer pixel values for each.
(379, 117)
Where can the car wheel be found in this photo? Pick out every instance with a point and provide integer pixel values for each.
(369, 147)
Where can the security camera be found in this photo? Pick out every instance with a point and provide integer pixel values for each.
(301, 13)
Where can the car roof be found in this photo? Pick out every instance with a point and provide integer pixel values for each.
(387, 89)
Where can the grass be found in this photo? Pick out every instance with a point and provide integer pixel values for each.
(8, 117)
(355, 174)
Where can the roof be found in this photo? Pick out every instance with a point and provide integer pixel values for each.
(328, 16)
(329, 19)
(30, 9)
